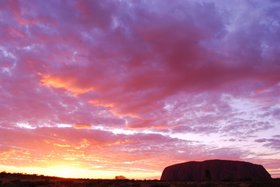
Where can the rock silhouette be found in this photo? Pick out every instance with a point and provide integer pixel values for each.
(215, 170)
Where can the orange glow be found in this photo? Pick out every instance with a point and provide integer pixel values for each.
(113, 108)
(102, 104)
(82, 126)
(68, 171)
(67, 84)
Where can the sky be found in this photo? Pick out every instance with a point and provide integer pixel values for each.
(96, 89)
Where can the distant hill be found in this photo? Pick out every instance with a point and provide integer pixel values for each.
(215, 170)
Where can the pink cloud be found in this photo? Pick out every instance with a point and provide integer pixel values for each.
(88, 147)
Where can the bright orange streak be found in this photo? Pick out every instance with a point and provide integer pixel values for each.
(82, 126)
(67, 84)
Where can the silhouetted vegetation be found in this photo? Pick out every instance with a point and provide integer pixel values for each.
(24, 180)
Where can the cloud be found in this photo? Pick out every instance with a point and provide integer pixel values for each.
(273, 142)
(46, 146)
(68, 85)
(151, 62)
(81, 126)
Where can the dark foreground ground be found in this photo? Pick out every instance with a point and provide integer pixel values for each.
(20, 180)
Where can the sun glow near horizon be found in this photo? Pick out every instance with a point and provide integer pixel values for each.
(56, 171)
(65, 171)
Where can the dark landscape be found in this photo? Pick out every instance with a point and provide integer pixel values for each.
(25, 180)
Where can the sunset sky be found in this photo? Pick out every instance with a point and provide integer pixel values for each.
(127, 87)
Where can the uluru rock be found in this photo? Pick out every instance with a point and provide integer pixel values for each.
(215, 170)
